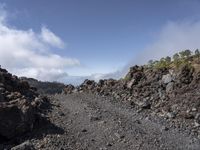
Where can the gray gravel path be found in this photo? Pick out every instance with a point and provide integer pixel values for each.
(92, 122)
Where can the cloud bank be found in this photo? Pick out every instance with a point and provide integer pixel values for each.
(27, 53)
(31, 54)
(173, 37)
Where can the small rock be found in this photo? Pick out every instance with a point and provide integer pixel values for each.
(84, 130)
(132, 103)
(130, 84)
(109, 144)
(194, 109)
(139, 110)
(145, 104)
(197, 118)
(94, 118)
(171, 115)
(119, 136)
(196, 124)
(188, 116)
(169, 87)
(138, 121)
(61, 113)
(102, 122)
(24, 146)
(167, 78)
(164, 128)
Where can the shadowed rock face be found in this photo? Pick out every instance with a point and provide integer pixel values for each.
(16, 118)
(18, 103)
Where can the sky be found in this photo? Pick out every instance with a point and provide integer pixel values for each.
(70, 40)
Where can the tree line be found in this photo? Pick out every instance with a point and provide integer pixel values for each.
(183, 57)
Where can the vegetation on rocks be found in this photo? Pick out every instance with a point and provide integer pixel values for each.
(185, 57)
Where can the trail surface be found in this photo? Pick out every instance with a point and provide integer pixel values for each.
(91, 123)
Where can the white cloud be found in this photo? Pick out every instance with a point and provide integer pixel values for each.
(45, 74)
(50, 38)
(26, 53)
(174, 37)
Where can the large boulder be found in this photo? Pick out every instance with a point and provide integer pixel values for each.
(17, 117)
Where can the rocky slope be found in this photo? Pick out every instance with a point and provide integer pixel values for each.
(152, 107)
(20, 107)
(172, 93)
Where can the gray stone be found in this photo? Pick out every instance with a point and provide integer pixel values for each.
(119, 136)
(164, 128)
(169, 87)
(145, 104)
(171, 115)
(16, 118)
(130, 83)
(197, 118)
(24, 146)
(167, 78)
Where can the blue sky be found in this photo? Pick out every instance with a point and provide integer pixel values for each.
(104, 36)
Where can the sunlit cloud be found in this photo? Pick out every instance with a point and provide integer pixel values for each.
(27, 53)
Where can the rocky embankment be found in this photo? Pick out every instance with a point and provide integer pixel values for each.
(148, 109)
(170, 93)
(20, 107)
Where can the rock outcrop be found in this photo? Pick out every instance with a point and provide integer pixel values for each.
(171, 93)
(18, 106)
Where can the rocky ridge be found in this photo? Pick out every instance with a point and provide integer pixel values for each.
(168, 92)
(20, 107)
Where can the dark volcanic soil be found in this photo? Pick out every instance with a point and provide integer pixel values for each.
(89, 122)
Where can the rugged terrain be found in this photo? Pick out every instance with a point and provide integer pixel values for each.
(155, 106)
(22, 109)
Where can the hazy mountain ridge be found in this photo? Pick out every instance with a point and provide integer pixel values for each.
(45, 87)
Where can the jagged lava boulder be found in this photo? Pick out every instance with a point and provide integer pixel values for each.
(18, 103)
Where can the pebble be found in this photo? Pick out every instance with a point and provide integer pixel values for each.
(94, 118)
(164, 128)
(119, 136)
(84, 130)
(109, 144)
(171, 115)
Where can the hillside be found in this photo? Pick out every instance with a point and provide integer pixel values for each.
(167, 88)
(22, 110)
(155, 106)
(45, 87)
